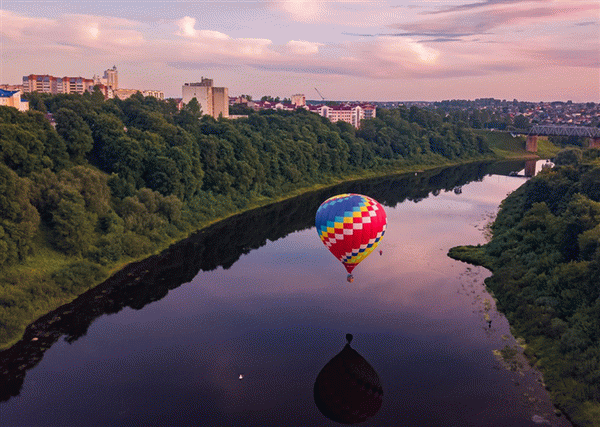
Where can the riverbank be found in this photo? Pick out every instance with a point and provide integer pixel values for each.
(23, 304)
(509, 353)
(513, 354)
(545, 260)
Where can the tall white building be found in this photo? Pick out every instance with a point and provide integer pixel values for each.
(111, 77)
(214, 101)
(299, 100)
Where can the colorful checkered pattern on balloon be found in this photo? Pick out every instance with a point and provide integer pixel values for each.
(351, 226)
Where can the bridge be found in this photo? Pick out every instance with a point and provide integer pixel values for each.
(554, 130)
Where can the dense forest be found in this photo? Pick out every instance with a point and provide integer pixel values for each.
(545, 258)
(112, 181)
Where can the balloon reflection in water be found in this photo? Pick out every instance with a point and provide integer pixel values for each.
(348, 390)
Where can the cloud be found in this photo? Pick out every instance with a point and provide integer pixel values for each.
(186, 27)
(16, 26)
(473, 23)
(589, 58)
(435, 48)
(78, 31)
(214, 43)
(302, 47)
(338, 13)
(301, 10)
(441, 40)
(358, 34)
(483, 17)
(483, 4)
(180, 44)
(396, 51)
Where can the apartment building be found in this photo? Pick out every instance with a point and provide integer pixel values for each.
(46, 83)
(214, 101)
(369, 110)
(126, 93)
(349, 113)
(111, 77)
(299, 99)
(109, 83)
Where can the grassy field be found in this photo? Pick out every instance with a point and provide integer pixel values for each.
(504, 145)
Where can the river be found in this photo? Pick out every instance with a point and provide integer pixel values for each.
(232, 326)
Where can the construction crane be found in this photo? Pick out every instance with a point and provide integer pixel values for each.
(322, 97)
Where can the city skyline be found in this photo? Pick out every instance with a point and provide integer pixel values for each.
(538, 50)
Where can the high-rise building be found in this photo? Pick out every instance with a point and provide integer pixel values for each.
(299, 100)
(213, 101)
(112, 77)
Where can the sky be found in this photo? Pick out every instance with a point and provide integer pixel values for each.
(405, 50)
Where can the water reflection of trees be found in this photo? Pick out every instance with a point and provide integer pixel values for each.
(220, 245)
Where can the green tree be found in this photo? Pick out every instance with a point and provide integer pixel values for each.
(73, 225)
(19, 220)
(36, 101)
(569, 156)
(76, 133)
(521, 122)
(194, 108)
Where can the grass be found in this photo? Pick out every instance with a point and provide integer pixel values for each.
(44, 260)
(508, 357)
(504, 145)
(475, 255)
(546, 149)
(27, 290)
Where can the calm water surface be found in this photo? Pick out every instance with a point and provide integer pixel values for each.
(165, 342)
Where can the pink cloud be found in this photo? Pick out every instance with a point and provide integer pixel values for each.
(463, 20)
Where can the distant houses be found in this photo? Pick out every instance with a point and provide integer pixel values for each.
(213, 101)
(108, 85)
(352, 113)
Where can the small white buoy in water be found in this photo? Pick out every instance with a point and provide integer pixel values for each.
(34, 339)
(241, 377)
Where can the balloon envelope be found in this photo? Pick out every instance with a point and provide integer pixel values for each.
(351, 226)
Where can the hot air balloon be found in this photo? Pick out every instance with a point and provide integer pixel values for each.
(351, 226)
(348, 390)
